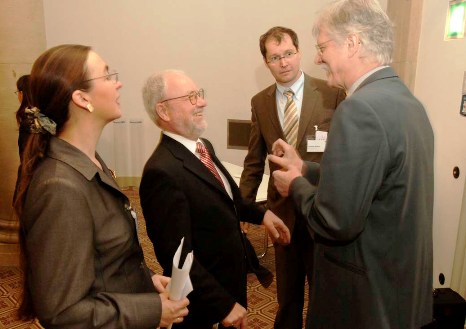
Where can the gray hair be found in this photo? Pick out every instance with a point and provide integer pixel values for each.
(154, 91)
(364, 18)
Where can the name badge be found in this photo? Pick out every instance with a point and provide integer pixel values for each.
(316, 143)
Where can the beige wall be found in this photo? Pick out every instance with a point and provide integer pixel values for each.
(439, 80)
(22, 39)
(216, 43)
(407, 19)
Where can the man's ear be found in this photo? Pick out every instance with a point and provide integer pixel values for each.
(354, 44)
(265, 62)
(162, 111)
(80, 98)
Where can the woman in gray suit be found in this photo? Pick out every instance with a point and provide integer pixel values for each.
(83, 265)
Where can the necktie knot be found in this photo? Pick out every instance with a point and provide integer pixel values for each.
(200, 148)
(288, 93)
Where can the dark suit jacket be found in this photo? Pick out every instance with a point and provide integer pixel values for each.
(318, 106)
(87, 267)
(181, 198)
(371, 215)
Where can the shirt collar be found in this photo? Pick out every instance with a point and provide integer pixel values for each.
(61, 150)
(358, 82)
(188, 143)
(296, 87)
(65, 152)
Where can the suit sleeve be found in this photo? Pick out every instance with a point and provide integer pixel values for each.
(168, 219)
(351, 172)
(254, 162)
(60, 245)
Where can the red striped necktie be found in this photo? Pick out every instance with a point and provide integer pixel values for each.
(207, 161)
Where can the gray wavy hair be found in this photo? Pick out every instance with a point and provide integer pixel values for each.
(154, 90)
(364, 18)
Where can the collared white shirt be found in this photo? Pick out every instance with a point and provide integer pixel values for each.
(191, 146)
(297, 88)
(358, 82)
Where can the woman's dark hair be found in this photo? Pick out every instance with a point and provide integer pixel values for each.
(22, 82)
(55, 75)
(23, 86)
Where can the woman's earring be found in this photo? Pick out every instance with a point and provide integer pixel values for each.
(90, 107)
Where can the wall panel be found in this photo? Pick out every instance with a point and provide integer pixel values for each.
(22, 39)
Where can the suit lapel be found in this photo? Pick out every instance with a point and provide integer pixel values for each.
(272, 111)
(307, 108)
(108, 180)
(220, 166)
(108, 177)
(191, 163)
(69, 154)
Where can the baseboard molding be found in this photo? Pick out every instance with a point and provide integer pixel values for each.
(125, 182)
(9, 254)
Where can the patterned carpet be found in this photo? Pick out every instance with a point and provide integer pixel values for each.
(262, 304)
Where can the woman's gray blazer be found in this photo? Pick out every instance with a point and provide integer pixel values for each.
(86, 267)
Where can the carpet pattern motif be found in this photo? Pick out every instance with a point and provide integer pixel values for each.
(262, 303)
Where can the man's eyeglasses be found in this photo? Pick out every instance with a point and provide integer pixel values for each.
(193, 96)
(275, 59)
(320, 47)
(113, 76)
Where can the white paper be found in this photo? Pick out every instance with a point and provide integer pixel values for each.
(180, 284)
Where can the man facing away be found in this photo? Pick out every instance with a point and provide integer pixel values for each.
(312, 104)
(187, 193)
(371, 212)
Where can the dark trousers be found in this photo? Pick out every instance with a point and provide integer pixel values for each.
(263, 274)
(293, 265)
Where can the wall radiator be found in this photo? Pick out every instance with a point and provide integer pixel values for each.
(128, 151)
